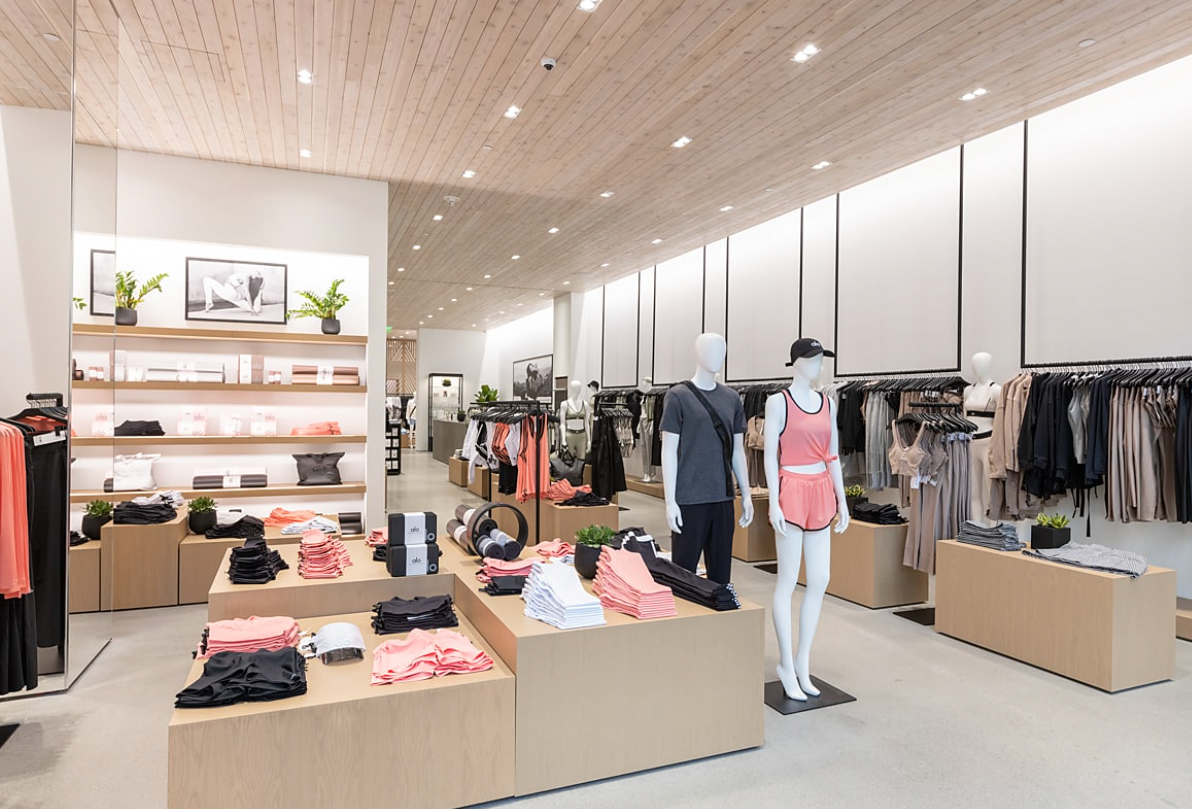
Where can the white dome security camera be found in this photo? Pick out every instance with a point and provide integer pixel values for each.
(549, 63)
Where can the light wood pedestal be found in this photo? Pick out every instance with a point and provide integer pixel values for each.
(481, 484)
(653, 489)
(867, 567)
(1183, 618)
(507, 522)
(1109, 631)
(457, 471)
(432, 744)
(562, 522)
(755, 543)
(139, 564)
(84, 577)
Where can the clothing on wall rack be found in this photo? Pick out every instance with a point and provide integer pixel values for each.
(753, 401)
(512, 439)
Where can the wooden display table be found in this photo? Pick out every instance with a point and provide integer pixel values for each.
(363, 584)
(1109, 631)
(139, 564)
(653, 489)
(562, 522)
(755, 543)
(507, 522)
(84, 577)
(457, 471)
(433, 744)
(867, 567)
(481, 484)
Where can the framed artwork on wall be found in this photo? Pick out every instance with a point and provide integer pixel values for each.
(532, 378)
(103, 283)
(236, 291)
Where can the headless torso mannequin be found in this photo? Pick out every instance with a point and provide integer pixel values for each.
(575, 422)
(980, 402)
(808, 493)
(646, 427)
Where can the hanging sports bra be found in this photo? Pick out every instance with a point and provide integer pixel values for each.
(806, 438)
(905, 460)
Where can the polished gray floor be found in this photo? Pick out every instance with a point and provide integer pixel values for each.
(937, 723)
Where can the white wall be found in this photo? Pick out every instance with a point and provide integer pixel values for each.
(524, 338)
(448, 351)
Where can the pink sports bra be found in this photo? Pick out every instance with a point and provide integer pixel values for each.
(807, 437)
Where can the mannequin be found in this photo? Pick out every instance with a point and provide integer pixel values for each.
(646, 427)
(806, 491)
(980, 403)
(698, 469)
(575, 422)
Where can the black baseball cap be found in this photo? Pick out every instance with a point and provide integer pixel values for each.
(807, 347)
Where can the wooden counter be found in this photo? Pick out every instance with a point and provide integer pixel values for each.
(139, 564)
(446, 437)
(84, 577)
(867, 567)
(457, 471)
(432, 744)
(563, 522)
(755, 543)
(481, 484)
(1109, 631)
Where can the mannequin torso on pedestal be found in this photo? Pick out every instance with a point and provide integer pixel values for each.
(575, 422)
(980, 404)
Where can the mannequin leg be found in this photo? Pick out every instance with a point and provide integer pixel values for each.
(790, 554)
(817, 548)
(979, 481)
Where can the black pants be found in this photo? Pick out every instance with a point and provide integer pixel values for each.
(707, 529)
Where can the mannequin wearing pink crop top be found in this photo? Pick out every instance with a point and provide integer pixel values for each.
(806, 438)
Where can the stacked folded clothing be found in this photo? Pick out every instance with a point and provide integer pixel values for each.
(252, 478)
(563, 490)
(255, 562)
(555, 549)
(402, 615)
(423, 655)
(505, 585)
(339, 375)
(683, 582)
(1000, 537)
(624, 584)
(322, 556)
(877, 514)
(491, 567)
(555, 595)
(231, 677)
(248, 635)
(245, 527)
(313, 524)
(318, 428)
(280, 516)
(1094, 557)
(136, 514)
(139, 428)
(584, 499)
(169, 496)
(377, 537)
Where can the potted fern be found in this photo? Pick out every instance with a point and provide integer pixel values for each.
(97, 514)
(326, 307)
(1050, 531)
(588, 544)
(129, 295)
(202, 515)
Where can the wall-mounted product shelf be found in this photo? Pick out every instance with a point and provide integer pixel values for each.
(222, 387)
(205, 440)
(149, 332)
(284, 490)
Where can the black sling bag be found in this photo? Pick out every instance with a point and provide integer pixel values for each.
(726, 439)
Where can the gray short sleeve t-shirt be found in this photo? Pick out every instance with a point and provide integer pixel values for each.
(701, 459)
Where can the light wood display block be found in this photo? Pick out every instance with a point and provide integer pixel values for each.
(507, 522)
(481, 484)
(139, 564)
(562, 522)
(1109, 631)
(433, 744)
(362, 585)
(84, 577)
(1183, 618)
(755, 543)
(653, 489)
(867, 567)
(457, 471)
(702, 696)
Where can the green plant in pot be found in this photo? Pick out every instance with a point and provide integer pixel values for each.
(79, 303)
(854, 494)
(202, 515)
(461, 415)
(96, 515)
(130, 295)
(588, 544)
(326, 307)
(486, 394)
(1050, 531)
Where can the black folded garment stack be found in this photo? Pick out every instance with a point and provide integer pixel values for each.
(255, 563)
(401, 615)
(260, 676)
(877, 514)
(133, 514)
(683, 582)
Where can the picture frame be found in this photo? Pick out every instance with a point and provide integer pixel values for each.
(230, 291)
(533, 378)
(103, 283)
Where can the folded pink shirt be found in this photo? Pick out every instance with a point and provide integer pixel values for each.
(250, 635)
(322, 556)
(625, 585)
(554, 549)
(422, 655)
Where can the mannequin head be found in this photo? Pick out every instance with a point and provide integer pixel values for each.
(807, 369)
(983, 366)
(645, 384)
(576, 389)
(710, 351)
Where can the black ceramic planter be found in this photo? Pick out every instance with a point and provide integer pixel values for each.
(330, 325)
(201, 521)
(1045, 537)
(586, 557)
(461, 416)
(92, 525)
(126, 317)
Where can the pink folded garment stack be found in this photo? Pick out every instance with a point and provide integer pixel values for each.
(248, 635)
(624, 584)
(499, 567)
(422, 655)
(322, 556)
(555, 549)
(377, 538)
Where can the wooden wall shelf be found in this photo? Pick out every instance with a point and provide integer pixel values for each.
(208, 440)
(222, 387)
(284, 490)
(149, 332)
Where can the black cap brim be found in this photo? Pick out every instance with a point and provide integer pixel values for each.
(825, 353)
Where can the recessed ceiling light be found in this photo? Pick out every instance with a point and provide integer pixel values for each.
(1085, 43)
(430, 317)
(681, 142)
(469, 174)
(588, 5)
(391, 283)
(823, 164)
(513, 111)
(656, 241)
(437, 217)
(605, 264)
(566, 283)
(501, 312)
(540, 294)
(304, 152)
(488, 276)
(440, 308)
(726, 208)
(980, 91)
(417, 247)
(515, 258)
(805, 54)
(487, 147)
(553, 230)
(769, 189)
(305, 76)
(401, 269)
(421, 322)
(52, 37)
(467, 289)
(453, 300)
(607, 194)
(473, 325)
(519, 304)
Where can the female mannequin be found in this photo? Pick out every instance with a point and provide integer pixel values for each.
(980, 403)
(806, 491)
(575, 421)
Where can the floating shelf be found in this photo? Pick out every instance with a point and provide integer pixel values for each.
(285, 490)
(149, 332)
(205, 440)
(222, 387)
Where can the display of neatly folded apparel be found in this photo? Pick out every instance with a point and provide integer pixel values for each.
(170, 497)
(255, 562)
(135, 514)
(246, 527)
(231, 677)
(322, 556)
(683, 582)
(877, 514)
(505, 585)
(624, 584)
(313, 524)
(377, 537)
(585, 499)
(423, 655)
(1094, 557)
(318, 428)
(280, 517)
(248, 635)
(130, 427)
(555, 595)
(403, 615)
(1000, 537)
(563, 490)
(492, 567)
(555, 549)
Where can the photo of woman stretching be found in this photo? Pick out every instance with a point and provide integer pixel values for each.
(239, 290)
(236, 291)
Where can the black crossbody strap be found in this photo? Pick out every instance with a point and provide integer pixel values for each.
(726, 439)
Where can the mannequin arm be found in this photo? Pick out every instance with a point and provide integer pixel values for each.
(837, 475)
(775, 422)
(670, 472)
(741, 471)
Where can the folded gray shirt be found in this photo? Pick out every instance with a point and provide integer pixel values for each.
(1094, 557)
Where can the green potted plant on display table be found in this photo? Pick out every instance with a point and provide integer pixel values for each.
(1050, 531)
(202, 517)
(129, 295)
(326, 307)
(854, 494)
(486, 394)
(97, 514)
(588, 543)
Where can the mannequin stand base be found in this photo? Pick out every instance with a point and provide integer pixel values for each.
(6, 732)
(830, 695)
(771, 567)
(920, 615)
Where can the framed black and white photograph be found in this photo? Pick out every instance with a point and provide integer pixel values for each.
(103, 283)
(532, 378)
(235, 291)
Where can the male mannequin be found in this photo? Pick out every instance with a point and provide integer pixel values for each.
(575, 422)
(806, 490)
(980, 403)
(646, 426)
(697, 473)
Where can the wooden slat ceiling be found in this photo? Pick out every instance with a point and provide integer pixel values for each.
(413, 92)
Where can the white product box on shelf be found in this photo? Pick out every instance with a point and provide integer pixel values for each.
(252, 369)
(231, 425)
(193, 420)
(264, 421)
(102, 424)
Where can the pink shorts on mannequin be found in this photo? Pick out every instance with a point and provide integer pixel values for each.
(807, 501)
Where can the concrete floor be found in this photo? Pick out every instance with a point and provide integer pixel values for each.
(937, 723)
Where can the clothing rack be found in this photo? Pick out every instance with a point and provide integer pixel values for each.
(531, 407)
(1106, 363)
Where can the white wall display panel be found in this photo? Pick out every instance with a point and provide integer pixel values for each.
(1109, 247)
(899, 237)
(587, 334)
(763, 298)
(715, 287)
(680, 314)
(645, 344)
(819, 272)
(530, 336)
(621, 332)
